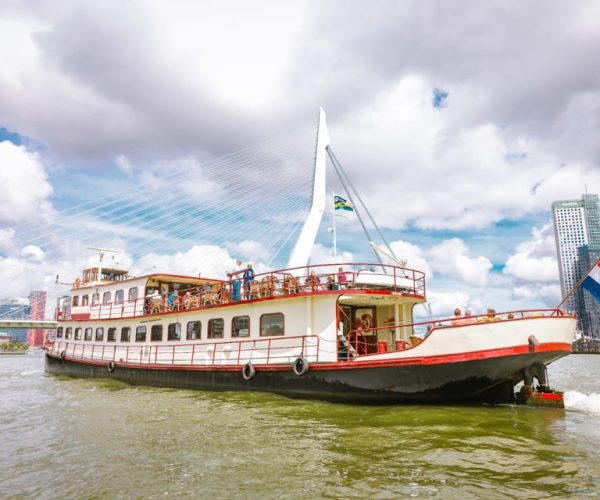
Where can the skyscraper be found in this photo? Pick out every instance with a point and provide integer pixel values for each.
(37, 305)
(577, 235)
(13, 309)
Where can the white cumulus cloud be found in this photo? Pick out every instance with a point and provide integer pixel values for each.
(451, 258)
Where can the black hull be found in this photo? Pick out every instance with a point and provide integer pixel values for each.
(489, 380)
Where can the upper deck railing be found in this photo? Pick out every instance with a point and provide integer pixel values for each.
(317, 279)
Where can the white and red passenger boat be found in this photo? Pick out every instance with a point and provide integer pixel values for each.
(340, 332)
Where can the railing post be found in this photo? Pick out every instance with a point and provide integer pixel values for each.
(173, 356)
(269, 351)
(214, 352)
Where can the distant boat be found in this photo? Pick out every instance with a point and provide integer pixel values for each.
(339, 332)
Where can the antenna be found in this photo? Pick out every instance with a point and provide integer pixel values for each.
(101, 252)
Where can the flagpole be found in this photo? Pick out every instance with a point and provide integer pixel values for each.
(334, 228)
(578, 283)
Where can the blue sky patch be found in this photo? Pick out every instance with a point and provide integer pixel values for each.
(439, 98)
(7, 135)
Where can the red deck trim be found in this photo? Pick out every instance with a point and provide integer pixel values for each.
(350, 365)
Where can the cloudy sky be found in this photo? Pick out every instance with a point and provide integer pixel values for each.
(459, 122)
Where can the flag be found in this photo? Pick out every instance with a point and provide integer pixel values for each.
(340, 203)
(592, 282)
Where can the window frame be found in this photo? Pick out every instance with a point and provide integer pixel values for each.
(189, 332)
(106, 298)
(132, 294)
(59, 332)
(210, 328)
(119, 296)
(113, 337)
(155, 328)
(138, 331)
(128, 337)
(75, 301)
(177, 327)
(99, 334)
(262, 318)
(77, 335)
(68, 332)
(96, 299)
(88, 334)
(85, 300)
(235, 332)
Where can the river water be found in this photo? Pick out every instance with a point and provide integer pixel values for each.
(73, 438)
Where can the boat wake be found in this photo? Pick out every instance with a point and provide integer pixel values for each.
(587, 403)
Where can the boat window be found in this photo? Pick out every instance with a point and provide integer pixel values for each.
(140, 334)
(59, 332)
(133, 293)
(174, 331)
(77, 333)
(85, 299)
(88, 334)
(75, 300)
(194, 328)
(68, 332)
(95, 299)
(271, 324)
(240, 326)
(215, 328)
(111, 335)
(125, 334)
(156, 333)
(99, 334)
(119, 294)
(106, 298)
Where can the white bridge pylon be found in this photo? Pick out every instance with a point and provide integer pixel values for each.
(301, 253)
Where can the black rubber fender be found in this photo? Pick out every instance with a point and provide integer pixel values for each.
(248, 371)
(300, 366)
(111, 366)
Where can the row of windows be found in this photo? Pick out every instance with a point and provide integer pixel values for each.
(270, 325)
(132, 295)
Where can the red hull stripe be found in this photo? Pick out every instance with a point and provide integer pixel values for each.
(80, 316)
(349, 365)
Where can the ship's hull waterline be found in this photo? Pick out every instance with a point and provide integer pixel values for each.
(489, 380)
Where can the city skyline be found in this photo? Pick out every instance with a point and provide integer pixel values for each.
(458, 152)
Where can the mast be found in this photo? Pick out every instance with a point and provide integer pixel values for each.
(301, 253)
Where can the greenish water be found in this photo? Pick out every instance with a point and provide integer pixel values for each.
(71, 438)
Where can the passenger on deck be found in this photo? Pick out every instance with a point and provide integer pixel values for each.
(236, 286)
(468, 317)
(312, 282)
(490, 315)
(248, 277)
(342, 279)
(457, 318)
(330, 283)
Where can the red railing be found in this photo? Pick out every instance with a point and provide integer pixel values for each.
(320, 278)
(259, 351)
(370, 340)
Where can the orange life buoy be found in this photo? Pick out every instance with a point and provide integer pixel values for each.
(77, 283)
(367, 321)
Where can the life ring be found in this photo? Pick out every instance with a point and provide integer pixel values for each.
(367, 321)
(300, 366)
(111, 366)
(248, 371)
(62, 355)
(76, 283)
